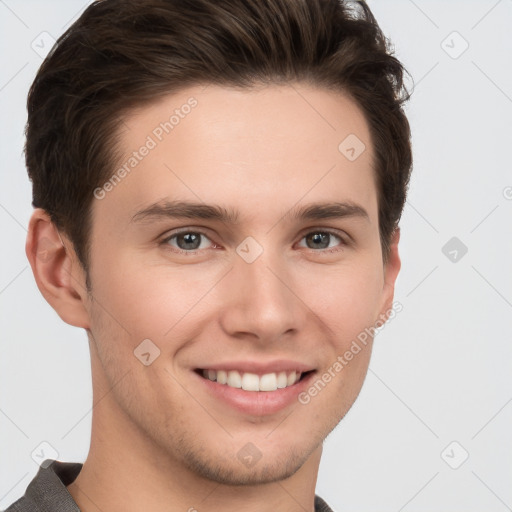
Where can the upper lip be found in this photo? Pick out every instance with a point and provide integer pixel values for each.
(259, 367)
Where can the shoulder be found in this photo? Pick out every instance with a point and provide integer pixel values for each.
(22, 505)
(47, 490)
(321, 505)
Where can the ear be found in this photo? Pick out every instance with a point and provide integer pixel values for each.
(391, 270)
(57, 270)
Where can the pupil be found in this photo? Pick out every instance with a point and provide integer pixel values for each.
(320, 240)
(190, 238)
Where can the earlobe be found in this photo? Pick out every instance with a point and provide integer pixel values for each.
(56, 269)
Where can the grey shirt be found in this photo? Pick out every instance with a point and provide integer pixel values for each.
(47, 491)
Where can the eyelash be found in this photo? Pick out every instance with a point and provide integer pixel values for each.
(343, 242)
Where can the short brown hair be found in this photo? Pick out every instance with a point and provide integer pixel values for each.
(124, 53)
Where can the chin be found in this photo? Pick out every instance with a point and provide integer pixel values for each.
(231, 471)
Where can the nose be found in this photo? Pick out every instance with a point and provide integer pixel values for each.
(260, 300)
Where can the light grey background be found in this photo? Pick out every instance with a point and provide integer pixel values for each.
(441, 370)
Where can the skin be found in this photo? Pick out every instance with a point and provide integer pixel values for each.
(159, 440)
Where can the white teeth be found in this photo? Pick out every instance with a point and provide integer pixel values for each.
(222, 377)
(251, 381)
(234, 379)
(293, 377)
(282, 380)
(268, 382)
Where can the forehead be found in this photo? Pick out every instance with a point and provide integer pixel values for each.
(241, 148)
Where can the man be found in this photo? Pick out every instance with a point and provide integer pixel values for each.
(217, 188)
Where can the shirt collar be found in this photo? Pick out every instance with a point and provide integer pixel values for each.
(48, 488)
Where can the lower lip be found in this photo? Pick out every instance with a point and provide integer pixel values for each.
(257, 403)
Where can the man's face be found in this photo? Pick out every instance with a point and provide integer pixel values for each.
(265, 293)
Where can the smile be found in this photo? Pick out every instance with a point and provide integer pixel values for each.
(252, 381)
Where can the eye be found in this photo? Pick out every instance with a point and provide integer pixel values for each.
(187, 241)
(191, 242)
(323, 240)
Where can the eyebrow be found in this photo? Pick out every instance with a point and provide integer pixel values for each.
(192, 210)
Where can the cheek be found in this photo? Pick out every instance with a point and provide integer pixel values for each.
(346, 298)
(150, 301)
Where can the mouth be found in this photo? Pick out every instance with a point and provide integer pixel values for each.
(255, 390)
(248, 381)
